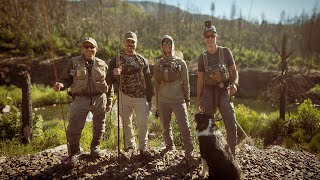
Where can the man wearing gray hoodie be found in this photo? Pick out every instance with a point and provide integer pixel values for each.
(172, 90)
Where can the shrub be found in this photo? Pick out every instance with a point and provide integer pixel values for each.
(11, 124)
(314, 144)
(315, 89)
(308, 118)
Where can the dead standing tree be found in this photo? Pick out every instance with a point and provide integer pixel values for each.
(284, 70)
(26, 130)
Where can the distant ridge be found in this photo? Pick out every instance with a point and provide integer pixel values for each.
(153, 7)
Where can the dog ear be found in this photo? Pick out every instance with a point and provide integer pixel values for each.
(197, 117)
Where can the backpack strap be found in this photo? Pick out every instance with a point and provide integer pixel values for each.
(221, 55)
(205, 60)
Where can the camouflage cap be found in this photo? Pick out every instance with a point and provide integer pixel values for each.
(90, 40)
(131, 35)
(209, 27)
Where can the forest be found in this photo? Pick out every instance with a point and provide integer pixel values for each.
(41, 29)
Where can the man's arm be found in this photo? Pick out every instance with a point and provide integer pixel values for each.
(65, 79)
(147, 78)
(110, 95)
(111, 79)
(234, 79)
(200, 82)
(185, 81)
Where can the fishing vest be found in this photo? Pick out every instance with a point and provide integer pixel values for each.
(80, 75)
(169, 70)
(219, 71)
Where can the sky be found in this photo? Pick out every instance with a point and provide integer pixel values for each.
(250, 9)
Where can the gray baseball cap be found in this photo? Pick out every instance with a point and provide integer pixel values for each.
(131, 35)
(90, 40)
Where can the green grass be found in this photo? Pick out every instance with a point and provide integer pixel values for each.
(41, 95)
(258, 119)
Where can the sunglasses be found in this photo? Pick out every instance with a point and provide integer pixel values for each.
(166, 42)
(210, 36)
(87, 47)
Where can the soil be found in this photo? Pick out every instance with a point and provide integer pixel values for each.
(274, 162)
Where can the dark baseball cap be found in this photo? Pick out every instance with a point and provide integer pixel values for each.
(209, 27)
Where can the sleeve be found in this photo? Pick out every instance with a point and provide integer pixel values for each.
(228, 57)
(200, 63)
(109, 92)
(147, 78)
(110, 95)
(185, 80)
(156, 79)
(66, 79)
(110, 77)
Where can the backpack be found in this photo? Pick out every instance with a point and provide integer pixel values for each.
(220, 71)
(169, 70)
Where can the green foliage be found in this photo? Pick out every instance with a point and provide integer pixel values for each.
(37, 128)
(10, 95)
(41, 95)
(309, 118)
(294, 132)
(315, 89)
(45, 95)
(314, 144)
(68, 24)
(10, 124)
(251, 121)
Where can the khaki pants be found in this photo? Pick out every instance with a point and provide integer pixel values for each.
(79, 110)
(139, 106)
(214, 97)
(180, 111)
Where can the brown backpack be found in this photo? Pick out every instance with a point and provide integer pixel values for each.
(220, 71)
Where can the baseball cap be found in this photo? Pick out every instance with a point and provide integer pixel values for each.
(209, 27)
(90, 40)
(131, 35)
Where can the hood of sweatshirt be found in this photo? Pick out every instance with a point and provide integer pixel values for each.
(173, 53)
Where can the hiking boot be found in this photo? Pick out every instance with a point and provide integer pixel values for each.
(96, 154)
(168, 149)
(144, 153)
(129, 149)
(189, 156)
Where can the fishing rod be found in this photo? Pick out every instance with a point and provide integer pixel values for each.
(68, 158)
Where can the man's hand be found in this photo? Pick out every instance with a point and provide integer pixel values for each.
(57, 86)
(117, 71)
(188, 104)
(199, 104)
(233, 89)
(150, 106)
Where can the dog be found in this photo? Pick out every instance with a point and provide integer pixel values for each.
(215, 153)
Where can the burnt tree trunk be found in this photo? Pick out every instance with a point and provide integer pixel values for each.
(26, 130)
(283, 85)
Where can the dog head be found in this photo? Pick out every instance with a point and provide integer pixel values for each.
(204, 121)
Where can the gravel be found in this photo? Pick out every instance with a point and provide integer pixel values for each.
(274, 162)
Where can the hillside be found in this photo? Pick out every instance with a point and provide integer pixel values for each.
(64, 23)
